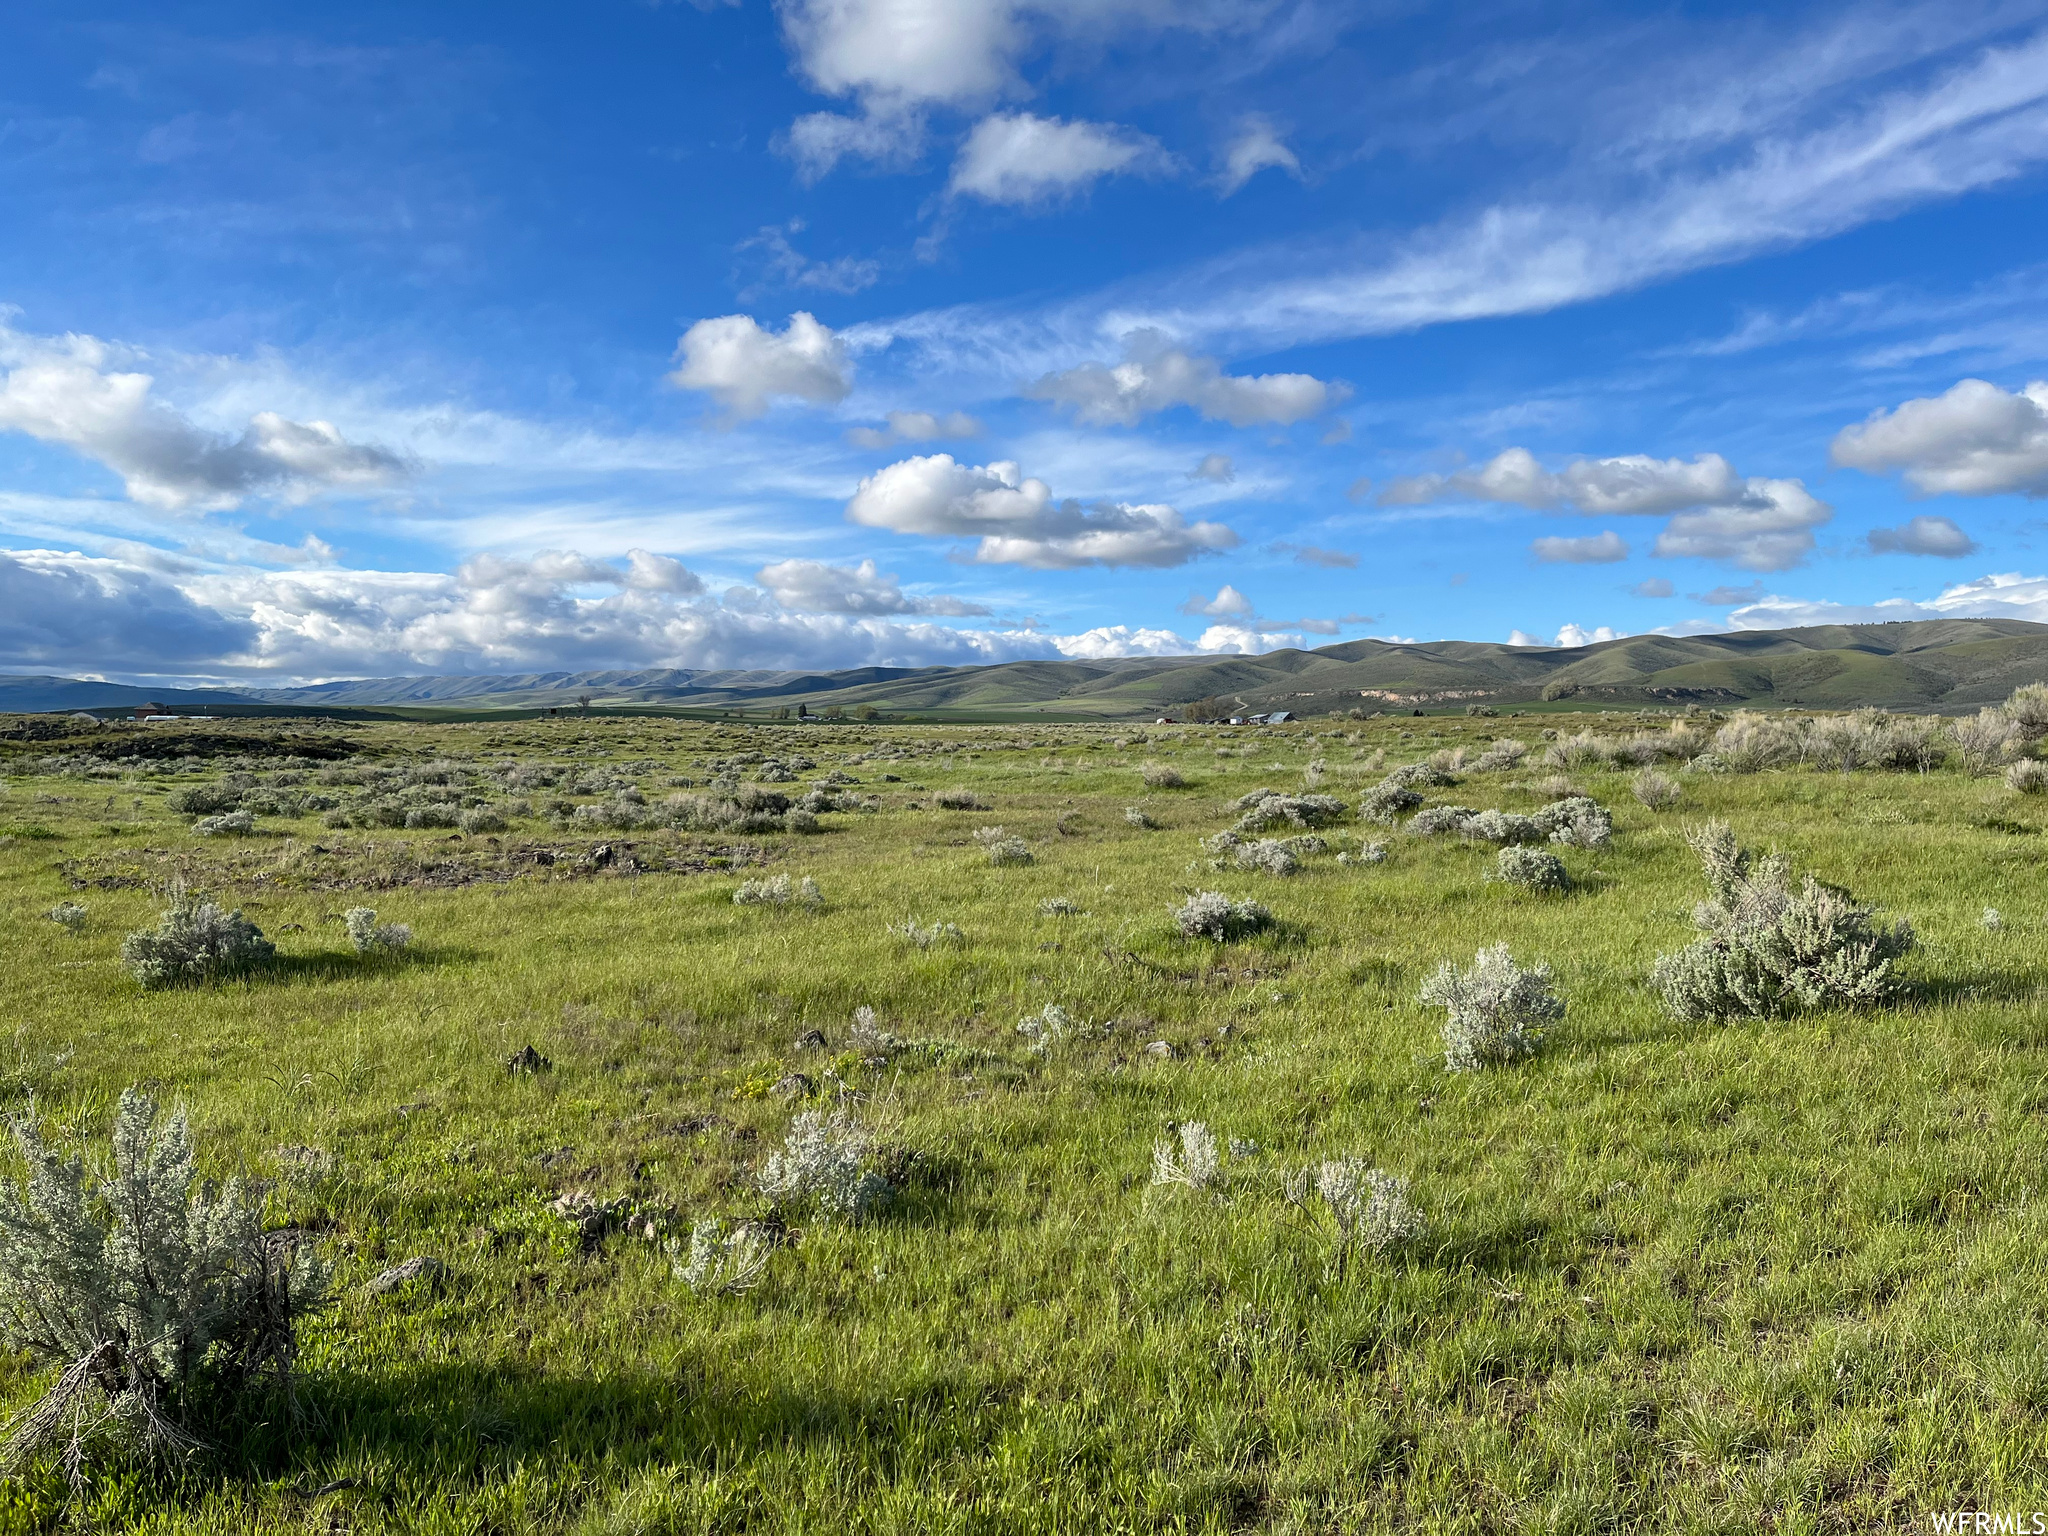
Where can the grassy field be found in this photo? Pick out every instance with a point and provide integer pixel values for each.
(1782, 1275)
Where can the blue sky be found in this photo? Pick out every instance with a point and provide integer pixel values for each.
(346, 341)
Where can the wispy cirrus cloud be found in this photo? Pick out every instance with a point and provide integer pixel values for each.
(1723, 181)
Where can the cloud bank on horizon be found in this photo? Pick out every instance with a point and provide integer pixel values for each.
(903, 332)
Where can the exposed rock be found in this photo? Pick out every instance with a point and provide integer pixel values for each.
(421, 1268)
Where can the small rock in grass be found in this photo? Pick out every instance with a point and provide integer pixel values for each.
(421, 1268)
(1161, 1049)
(794, 1086)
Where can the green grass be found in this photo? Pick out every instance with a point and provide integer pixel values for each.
(1785, 1275)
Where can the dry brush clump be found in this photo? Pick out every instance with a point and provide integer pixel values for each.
(1497, 1011)
(1363, 1208)
(2028, 709)
(1770, 947)
(1655, 791)
(2028, 776)
(722, 1259)
(1190, 1159)
(1162, 776)
(155, 1292)
(1985, 741)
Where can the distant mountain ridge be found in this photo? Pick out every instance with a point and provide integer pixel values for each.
(1943, 664)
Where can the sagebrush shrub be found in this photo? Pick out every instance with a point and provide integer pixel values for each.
(1654, 790)
(371, 937)
(145, 1284)
(203, 799)
(1501, 756)
(959, 800)
(1162, 776)
(1419, 776)
(1213, 915)
(1267, 856)
(1387, 801)
(195, 941)
(1365, 1207)
(721, 1260)
(1497, 1010)
(1577, 822)
(1001, 847)
(1440, 819)
(1137, 817)
(228, 824)
(1770, 948)
(823, 1163)
(1532, 869)
(1193, 1163)
(1993, 920)
(778, 891)
(482, 819)
(1050, 1026)
(1368, 853)
(2029, 776)
(1059, 906)
(68, 915)
(925, 935)
(1502, 827)
(1264, 809)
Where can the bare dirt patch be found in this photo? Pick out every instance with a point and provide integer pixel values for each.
(371, 864)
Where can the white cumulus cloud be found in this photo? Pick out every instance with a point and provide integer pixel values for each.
(1156, 376)
(811, 586)
(1019, 159)
(1600, 549)
(1571, 637)
(1936, 536)
(1017, 521)
(818, 141)
(1227, 603)
(2006, 595)
(744, 367)
(1715, 514)
(1114, 640)
(1974, 440)
(915, 427)
(72, 390)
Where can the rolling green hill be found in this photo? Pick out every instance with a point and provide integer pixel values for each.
(1944, 664)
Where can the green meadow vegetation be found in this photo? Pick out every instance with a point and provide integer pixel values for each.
(713, 1128)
